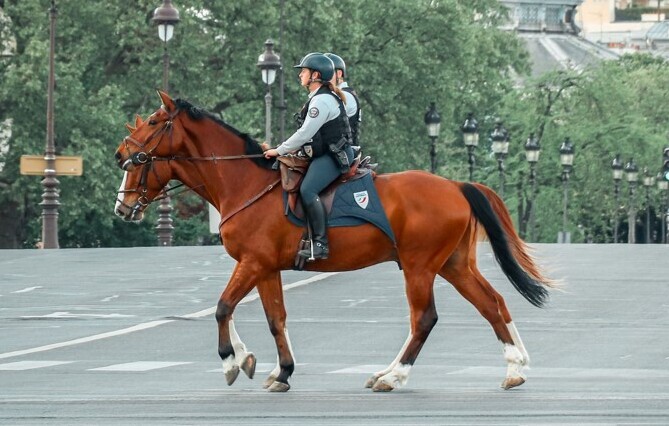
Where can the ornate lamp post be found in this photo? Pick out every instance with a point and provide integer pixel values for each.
(500, 147)
(617, 169)
(532, 151)
(648, 182)
(269, 63)
(433, 124)
(567, 161)
(50, 202)
(165, 17)
(632, 175)
(663, 186)
(470, 135)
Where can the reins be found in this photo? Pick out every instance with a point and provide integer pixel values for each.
(145, 159)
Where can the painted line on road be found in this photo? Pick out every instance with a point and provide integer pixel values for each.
(138, 366)
(30, 365)
(151, 324)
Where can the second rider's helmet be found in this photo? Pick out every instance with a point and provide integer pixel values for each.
(338, 62)
(318, 62)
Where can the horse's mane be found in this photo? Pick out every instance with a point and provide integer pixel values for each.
(251, 146)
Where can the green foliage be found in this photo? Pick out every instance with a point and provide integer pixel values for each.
(400, 57)
(109, 59)
(606, 110)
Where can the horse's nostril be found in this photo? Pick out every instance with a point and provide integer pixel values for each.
(117, 155)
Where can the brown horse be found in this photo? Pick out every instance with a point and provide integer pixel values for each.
(435, 222)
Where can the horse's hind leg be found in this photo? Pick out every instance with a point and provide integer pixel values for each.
(419, 290)
(462, 273)
(271, 295)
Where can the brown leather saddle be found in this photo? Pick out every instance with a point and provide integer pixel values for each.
(294, 167)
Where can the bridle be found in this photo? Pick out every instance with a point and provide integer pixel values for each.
(146, 160)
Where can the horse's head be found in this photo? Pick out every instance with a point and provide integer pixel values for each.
(142, 155)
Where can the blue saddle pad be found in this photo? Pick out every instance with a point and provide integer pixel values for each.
(355, 203)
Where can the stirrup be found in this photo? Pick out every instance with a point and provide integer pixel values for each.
(310, 254)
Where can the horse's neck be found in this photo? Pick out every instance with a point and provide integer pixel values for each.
(226, 184)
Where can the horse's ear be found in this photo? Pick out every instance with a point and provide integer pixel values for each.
(130, 128)
(167, 101)
(138, 120)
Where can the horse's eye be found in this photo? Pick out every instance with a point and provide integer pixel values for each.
(152, 122)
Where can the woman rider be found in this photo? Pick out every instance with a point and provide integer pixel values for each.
(351, 100)
(325, 133)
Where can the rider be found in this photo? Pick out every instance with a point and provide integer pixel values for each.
(352, 101)
(324, 135)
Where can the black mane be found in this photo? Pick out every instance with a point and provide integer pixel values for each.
(251, 146)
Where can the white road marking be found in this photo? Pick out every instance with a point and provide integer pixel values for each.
(71, 315)
(359, 369)
(151, 324)
(30, 365)
(27, 289)
(139, 366)
(559, 372)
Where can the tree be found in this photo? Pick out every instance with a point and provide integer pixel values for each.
(400, 57)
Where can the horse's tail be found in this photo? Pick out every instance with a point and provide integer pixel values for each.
(510, 251)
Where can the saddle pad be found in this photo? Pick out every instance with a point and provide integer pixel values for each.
(355, 203)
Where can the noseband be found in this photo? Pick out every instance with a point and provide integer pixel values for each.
(146, 161)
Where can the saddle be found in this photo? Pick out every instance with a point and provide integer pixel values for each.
(293, 168)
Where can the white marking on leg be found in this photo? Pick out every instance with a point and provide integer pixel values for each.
(518, 342)
(237, 345)
(290, 345)
(376, 376)
(514, 361)
(398, 377)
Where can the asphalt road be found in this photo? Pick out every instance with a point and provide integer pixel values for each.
(127, 336)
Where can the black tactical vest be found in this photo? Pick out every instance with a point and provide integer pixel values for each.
(332, 131)
(355, 120)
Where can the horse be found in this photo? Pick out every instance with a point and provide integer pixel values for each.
(437, 224)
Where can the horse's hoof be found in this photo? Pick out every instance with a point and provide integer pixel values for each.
(382, 386)
(231, 375)
(370, 382)
(512, 382)
(268, 381)
(249, 365)
(278, 387)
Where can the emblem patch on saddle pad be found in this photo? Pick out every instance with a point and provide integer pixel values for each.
(361, 198)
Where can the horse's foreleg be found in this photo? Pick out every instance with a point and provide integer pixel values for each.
(243, 358)
(419, 290)
(240, 285)
(469, 282)
(271, 295)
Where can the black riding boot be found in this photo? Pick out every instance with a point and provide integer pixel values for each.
(315, 212)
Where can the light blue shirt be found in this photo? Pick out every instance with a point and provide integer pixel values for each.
(322, 108)
(351, 104)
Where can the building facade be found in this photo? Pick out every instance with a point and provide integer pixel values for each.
(542, 15)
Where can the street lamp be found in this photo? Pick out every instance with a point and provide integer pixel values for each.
(648, 182)
(50, 196)
(269, 63)
(663, 186)
(500, 147)
(165, 17)
(632, 175)
(617, 169)
(532, 151)
(433, 124)
(567, 161)
(470, 134)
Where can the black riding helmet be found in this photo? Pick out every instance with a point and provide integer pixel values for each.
(338, 63)
(318, 62)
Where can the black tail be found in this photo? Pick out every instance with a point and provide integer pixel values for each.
(531, 289)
